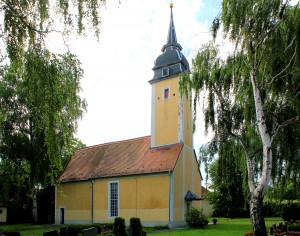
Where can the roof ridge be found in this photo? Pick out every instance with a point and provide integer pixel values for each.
(108, 143)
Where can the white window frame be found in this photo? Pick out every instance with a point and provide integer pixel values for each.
(167, 71)
(109, 198)
(163, 93)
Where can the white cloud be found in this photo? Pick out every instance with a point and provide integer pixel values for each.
(118, 68)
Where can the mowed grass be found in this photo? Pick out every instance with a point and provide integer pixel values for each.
(224, 227)
(30, 229)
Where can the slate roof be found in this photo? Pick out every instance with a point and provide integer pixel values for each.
(121, 158)
(171, 57)
(190, 196)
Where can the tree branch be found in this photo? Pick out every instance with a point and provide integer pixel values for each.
(288, 65)
(283, 125)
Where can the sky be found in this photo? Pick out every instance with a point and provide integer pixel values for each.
(118, 67)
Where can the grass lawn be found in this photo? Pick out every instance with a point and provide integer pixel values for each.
(224, 227)
(30, 229)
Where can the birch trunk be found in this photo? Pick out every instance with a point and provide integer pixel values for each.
(257, 193)
(34, 204)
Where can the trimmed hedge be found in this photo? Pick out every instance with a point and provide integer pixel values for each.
(288, 210)
(136, 226)
(294, 228)
(120, 227)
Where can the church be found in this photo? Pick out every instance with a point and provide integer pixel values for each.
(155, 178)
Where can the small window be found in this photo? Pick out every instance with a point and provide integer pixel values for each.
(165, 71)
(166, 93)
(113, 192)
(0, 211)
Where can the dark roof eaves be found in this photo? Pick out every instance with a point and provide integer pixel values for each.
(152, 81)
(116, 176)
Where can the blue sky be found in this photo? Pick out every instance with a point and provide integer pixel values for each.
(119, 66)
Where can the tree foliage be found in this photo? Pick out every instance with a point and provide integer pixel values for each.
(40, 103)
(253, 95)
(227, 176)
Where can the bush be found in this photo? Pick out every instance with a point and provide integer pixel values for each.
(136, 226)
(290, 211)
(294, 228)
(120, 227)
(195, 218)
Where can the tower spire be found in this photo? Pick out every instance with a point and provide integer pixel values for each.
(172, 39)
(172, 33)
(171, 62)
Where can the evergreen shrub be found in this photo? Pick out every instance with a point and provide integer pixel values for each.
(120, 227)
(136, 226)
(290, 211)
(196, 219)
(294, 227)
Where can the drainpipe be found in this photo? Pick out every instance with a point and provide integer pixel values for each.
(171, 199)
(92, 201)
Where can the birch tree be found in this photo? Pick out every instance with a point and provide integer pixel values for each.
(254, 94)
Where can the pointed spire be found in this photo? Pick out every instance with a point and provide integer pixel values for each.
(172, 39)
(172, 33)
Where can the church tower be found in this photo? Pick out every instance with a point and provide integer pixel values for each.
(171, 114)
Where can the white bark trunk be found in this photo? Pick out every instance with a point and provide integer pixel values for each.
(257, 193)
(34, 206)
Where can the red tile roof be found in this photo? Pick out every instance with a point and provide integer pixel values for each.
(128, 157)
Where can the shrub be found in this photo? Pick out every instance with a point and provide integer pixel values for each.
(195, 218)
(214, 221)
(290, 211)
(136, 226)
(294, 228)
(120, 227)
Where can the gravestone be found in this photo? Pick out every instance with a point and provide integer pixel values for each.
(93, 231)
(51, 233)
(63, 231)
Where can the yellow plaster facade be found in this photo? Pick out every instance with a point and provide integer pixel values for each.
(171, 116)
(3, 214)
(139, 196)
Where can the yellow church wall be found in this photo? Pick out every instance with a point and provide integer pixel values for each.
(178, 189)
(146, 197)
(188, 127)
(75, 198)
(197, 183)
(3, 214)
(186, 177)
(166, 112)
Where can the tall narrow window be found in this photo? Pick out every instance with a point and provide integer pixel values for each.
(113, 199)
(166, 93)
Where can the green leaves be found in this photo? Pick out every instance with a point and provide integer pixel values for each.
(42, 107)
